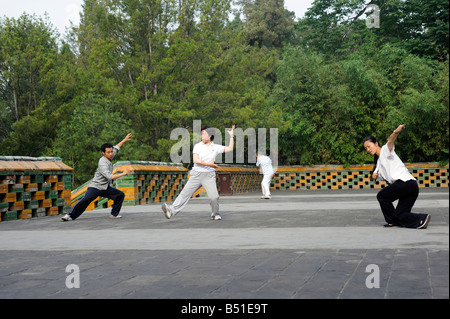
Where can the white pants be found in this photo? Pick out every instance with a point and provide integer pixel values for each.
(195, 181)
(265, 184)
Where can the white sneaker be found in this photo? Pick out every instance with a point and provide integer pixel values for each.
(66, 218)
(115, 217)
(217, 217)
(166, 210)
(267, 197)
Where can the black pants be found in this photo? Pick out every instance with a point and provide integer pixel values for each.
(92, 193)
(406, 193)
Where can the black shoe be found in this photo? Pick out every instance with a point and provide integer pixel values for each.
(424, 224)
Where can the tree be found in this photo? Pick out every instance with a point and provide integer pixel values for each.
(329, 24)
(267, 22)
(427, 25)
(93, 123)
(157, 65)
(28, 52)
(422, 103)
(336, 26)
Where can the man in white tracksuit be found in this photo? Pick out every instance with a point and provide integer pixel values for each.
(203, 174)
(265, 166)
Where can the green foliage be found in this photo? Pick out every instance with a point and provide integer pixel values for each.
(445, 160)
(80, 148)
(28, 53)
(267, 23)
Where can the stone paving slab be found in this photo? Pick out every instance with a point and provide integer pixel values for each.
(299, 245)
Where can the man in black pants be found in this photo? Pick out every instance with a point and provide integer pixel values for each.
(101, 184)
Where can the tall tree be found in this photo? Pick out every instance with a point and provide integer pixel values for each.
(335, 26)
(267, 22)
(93, 123)
(156, 65)
(28, 54)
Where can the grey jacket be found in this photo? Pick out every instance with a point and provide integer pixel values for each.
(102, 177)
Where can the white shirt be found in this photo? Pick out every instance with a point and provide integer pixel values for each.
(207, 154)
(266, 164)
(391, 168)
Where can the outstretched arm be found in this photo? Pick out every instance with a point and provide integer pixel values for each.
(394, 135)
(231, 146)
(126, 139)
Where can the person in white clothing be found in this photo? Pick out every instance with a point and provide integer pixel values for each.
(202, 174)
(402, 186)
(265, 166)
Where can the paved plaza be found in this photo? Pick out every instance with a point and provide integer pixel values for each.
(299, 245)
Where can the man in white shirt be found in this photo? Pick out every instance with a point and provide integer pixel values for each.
(265, 166)
(203, 174)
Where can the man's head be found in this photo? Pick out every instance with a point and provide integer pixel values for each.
(207, 134)
(107, 150)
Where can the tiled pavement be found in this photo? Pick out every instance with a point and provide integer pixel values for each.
(299, 245)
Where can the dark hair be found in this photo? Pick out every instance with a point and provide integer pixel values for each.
(105, 146)
(370, 139)
(209, 130)
(375, 157)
